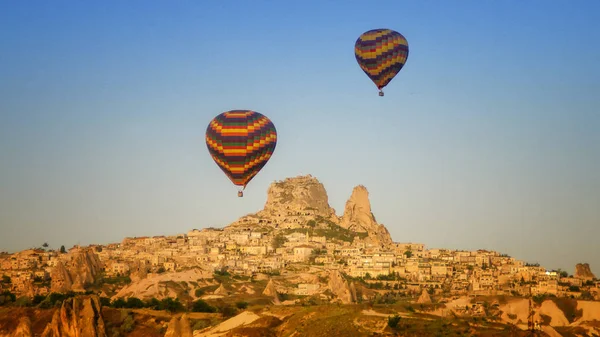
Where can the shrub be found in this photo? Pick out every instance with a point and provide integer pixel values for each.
(393, 321)
(202, 306)
(199, 325)
(241, 305)
(228, 311)
(128, 324)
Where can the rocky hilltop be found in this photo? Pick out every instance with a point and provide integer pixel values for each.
(583, 271)
(295, 202)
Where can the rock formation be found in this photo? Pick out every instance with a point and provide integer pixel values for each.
(298, 194)
(424, 298)
(359, 218)
(353, 292)
(583, 271)
(179, 327)
(139, 271)
(78, 316)
(24, 328)
(82, 269)
(271, 291)
(339, 287)
(220, 290)
(294, 202)
(61, 278)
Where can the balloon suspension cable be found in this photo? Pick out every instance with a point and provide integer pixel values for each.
(380, 92)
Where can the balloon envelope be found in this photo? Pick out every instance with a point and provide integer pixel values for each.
(381, 54)
(241, 142)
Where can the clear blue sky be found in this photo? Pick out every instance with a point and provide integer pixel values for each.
(488, 138)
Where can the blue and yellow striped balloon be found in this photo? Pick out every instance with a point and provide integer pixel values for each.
(381, 54)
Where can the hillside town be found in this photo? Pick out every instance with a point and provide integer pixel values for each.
(297, 228)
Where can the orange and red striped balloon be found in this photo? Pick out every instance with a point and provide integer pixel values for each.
(241, 142)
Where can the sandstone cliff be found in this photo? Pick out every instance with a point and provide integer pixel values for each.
(583, 271)
(78, 316)
(81, 269)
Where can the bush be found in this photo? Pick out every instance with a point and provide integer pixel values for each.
(201, 325)
(228, 311)
(171, 305)
(7, 297)
(202, 306)
(128, 324)
(23, 301)
(393, 321)
(105, 301)
(241, 305)
(199, 292)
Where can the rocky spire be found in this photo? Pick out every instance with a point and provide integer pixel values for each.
(78, 316)
(359, 218)
(24, 328)
(424, 298)
(339, 287)
(271, 291)
(179, 327)
(583, 271)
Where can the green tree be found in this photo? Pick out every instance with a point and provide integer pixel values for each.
(393, 321)
(6, 279)
(202, 306)
(171, 305)
(228, 310)
(241, 305)
(134, 302)
(63, 250)
(128, 324)
(278, 241)
(408, 254)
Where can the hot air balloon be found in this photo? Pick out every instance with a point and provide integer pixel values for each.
(241, 142)
(381, 54)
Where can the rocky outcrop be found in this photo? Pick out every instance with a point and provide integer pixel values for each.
(359, 218)
(271, 291)
(424, 298)
(24, 328)
(353, 292)
(583, 271)
(339, 287)
(81, 269)
(303, 194)
(220, 290)
(179, 327)
(139, 271)
(78, 316)
(61, 278)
